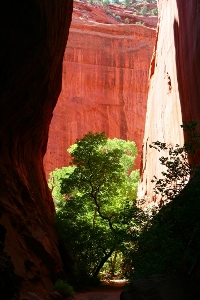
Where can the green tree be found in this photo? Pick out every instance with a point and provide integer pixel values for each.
(95, 200)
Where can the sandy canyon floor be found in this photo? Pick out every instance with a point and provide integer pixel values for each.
(108, 291)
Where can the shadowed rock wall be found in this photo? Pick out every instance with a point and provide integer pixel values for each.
(33, 38)
(106, 88)
(174, 89)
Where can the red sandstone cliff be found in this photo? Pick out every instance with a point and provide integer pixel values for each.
(106, 88)
(33, 38)
(114, 13)
(174, 89)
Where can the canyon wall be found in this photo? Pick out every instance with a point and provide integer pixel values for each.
(104, 86)
(114, 13)
(33, 38)
(174, 88)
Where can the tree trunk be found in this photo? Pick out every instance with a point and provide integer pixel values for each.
(113, 264)
(102, 262)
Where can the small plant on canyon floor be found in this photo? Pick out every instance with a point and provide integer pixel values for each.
(127, 20)
(177, 168)
(64, 288)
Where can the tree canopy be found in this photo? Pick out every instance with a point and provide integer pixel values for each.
(95, 199)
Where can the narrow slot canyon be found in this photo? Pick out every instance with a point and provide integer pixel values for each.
(70, 68)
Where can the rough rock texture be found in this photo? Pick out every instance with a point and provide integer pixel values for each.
(106, 88)
(8, 288)
(33, 38)
(174, 90)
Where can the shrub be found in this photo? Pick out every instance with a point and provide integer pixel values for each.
(178, 170)
(64, 288)
(118, 18)
(108, 12)
(139, 23)
(154, 11)
(127, 21)
(144, 10)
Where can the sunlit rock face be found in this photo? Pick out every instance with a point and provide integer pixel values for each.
(114, 13)
(174, 88)
(33, 40)
(104, 86)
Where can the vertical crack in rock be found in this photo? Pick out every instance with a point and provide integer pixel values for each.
(122, 119)
(153, 59)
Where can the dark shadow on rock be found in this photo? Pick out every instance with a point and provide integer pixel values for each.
(187, 49)
(8, 286)
(157, 287)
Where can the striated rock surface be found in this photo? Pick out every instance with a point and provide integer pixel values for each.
(174, 89)
(106, 88)
(33, 38)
